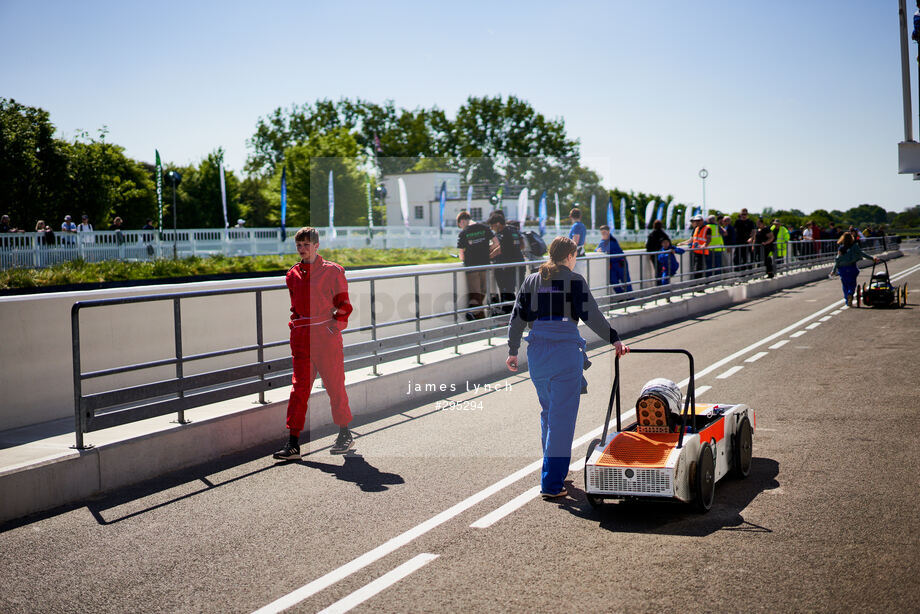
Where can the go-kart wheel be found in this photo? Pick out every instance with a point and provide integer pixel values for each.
(593, 500)
(705, 484)
(742, 450)
(858, 295)
(904, 295)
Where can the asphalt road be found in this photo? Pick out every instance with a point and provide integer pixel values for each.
(825, 522)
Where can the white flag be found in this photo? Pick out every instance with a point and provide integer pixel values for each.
(592, 211)
(223, 194)
(667, 216)
(522, 207)
(403, 201)
(556, 195)
(331, 207)
(649, 213)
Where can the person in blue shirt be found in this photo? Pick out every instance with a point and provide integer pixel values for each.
(579, 234)
(667, 261)
(619, 270)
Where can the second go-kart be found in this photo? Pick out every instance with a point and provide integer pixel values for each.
(669, 454)
(879, 292)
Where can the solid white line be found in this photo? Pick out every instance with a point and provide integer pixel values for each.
(730, 372)
(382, 583)
(701, 389)
(779, 344)
(824, 319)
(798, 333)
(813, 325)
(401, 540)
(756, 356)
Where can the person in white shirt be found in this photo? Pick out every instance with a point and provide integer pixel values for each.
(85, 230)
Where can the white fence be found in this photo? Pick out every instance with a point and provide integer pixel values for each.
(27, 250)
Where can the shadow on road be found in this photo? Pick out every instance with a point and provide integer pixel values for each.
(673, 518)
(356, 469)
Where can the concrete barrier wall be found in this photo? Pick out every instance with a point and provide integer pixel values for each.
(36, 364)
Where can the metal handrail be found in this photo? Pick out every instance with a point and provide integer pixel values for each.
(119, 406)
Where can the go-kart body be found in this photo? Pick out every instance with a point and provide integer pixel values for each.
(879, 292)
(663, 457)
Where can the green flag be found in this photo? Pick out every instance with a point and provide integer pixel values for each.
(159, 173)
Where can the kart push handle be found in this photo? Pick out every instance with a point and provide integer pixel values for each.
(689, 402)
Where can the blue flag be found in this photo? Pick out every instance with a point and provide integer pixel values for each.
(610, 218)
(542, 214)
(443, 202)
(283, 201)
(659, 215)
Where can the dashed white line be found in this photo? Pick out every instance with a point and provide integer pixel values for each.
(813, 325)
(835, 312)
(798, 333)
(730, 372)
(756, 356)
(701, 389)
(779, 344)
(824, 319)
(382, 583)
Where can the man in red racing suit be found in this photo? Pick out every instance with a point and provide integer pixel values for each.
(319, 314)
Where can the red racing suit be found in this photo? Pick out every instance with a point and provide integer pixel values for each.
(319, 314)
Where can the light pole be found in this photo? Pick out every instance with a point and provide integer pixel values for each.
(703, 174)
(175, 178)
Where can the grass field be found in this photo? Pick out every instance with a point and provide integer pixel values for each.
(80, 272)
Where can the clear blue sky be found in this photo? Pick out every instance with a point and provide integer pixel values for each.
(788, 103)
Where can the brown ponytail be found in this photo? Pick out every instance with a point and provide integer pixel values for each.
(560, 249)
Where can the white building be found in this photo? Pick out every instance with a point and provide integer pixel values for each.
(423, 194)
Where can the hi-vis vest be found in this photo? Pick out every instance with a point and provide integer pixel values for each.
(699, 240)
(781, 237)
(715, 237)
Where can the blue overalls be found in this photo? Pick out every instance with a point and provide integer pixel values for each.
(555, 359)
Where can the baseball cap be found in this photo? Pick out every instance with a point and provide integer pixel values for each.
(67, 218)
(696, 218)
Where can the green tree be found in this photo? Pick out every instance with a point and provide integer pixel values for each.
(257, 202)
(103, 183)
(199, 198)
(33, 166)
(308, 165)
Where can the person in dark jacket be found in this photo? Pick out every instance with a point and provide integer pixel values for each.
(618, 267)
(552, 301)
(744, 231)
(653, 245)
(507, 247)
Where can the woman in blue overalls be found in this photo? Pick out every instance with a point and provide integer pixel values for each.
(552, 301)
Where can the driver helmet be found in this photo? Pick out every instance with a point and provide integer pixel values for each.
(659, 404)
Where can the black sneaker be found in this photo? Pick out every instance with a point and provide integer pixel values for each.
(343, 443)
(288, 452)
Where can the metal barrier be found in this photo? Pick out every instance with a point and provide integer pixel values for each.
(451, 328)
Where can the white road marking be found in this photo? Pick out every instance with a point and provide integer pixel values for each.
(371, 556)
(798, 333)
(813, 325)
(824, 319)
(701, 389)
(833, 313)
(383, 582)
(779, 344)
(400, 540)
(730, 372)
(756, 356)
